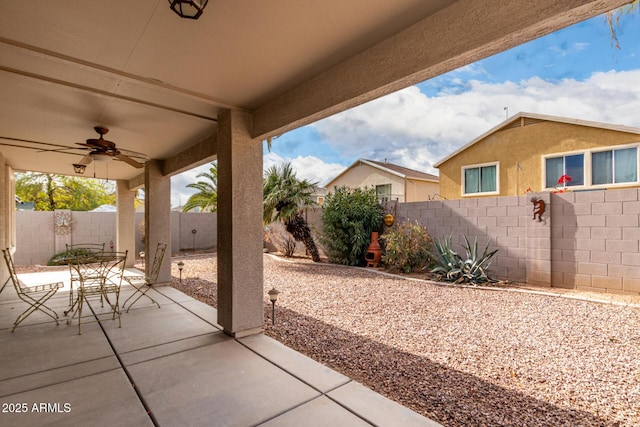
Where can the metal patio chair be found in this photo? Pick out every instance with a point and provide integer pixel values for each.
(72, 252)
(99, 277)
(35, 295)
(142, 284)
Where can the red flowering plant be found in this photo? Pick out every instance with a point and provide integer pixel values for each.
(563, 180)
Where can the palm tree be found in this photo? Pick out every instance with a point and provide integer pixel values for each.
(207, 196)
(284, 196)
(613, 20)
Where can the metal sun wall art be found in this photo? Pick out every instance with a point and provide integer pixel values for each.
(62, 223)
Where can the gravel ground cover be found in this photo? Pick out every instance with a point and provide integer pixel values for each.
(460, 356)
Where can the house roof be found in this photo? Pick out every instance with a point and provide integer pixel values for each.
(405, 172)
(391, 168)
(530, 118)
(319, 191)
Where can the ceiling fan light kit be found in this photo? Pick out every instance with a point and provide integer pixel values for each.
(102, 150)
(100, 157)
(79, 169)
(191, 9)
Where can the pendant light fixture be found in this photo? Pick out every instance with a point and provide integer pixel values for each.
(191, 9)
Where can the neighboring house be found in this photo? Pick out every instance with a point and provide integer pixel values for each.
(531, 152)
(392, 182)
(24, 206)
(318, 195)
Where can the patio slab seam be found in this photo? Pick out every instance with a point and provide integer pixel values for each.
(159, 346)
(293, 408)
(215, 325)
(60, 370)
(141, 398)
(322, 393)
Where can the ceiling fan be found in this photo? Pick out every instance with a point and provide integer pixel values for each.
(102, 150)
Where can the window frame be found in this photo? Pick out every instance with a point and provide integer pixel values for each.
(613, 149)
(586, 157)
(463, 169)
(380, 196)
(588, 167)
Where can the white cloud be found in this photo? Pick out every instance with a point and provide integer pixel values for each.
(414, 130)
(179, 191)
(306, 167)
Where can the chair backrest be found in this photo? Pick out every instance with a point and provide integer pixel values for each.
(157, 262)
(6, 253)
(113, 265)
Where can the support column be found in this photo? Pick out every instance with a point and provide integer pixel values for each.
(125, 224)
(240, 287)
(7, 213)
(157, 218)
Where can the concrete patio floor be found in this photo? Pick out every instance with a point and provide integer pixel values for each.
(171, 366)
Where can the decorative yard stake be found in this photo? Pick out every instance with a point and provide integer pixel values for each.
(538, 208)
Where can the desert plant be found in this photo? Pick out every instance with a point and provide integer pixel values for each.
(453, 268)
(349, 216)
(62, 258)
(284, 197)
(277, 234)
(407, 248)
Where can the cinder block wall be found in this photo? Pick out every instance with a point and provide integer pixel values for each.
(596, 240)
(587, 240)
(36, 239)
(504, 223)
(93, 227)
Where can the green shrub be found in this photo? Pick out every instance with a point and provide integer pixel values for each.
(62, 258)
(453, 268)
(408, 248)
(349, 216)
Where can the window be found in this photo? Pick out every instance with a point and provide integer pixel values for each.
(572, 165)
(614, 166)
(383, 192)
(480, 179)
(597, 167)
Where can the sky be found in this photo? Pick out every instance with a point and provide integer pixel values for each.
(576, 73)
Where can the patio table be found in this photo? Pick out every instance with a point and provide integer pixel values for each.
(97, 275)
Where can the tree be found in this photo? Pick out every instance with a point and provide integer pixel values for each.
(613, 19)
(349, 216)
(207, 196)
(50, 192)
(284, 196)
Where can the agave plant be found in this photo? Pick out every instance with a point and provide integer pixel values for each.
(453, 268)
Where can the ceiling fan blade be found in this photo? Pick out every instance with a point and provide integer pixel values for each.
(134, 154)
(128, 160)
(85, 160)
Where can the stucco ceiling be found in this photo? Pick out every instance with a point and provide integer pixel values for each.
(158, 81)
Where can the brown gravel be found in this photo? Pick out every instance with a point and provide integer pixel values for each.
(460, 356)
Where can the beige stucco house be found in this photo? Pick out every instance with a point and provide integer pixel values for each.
(392, 182)
(531, 152)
